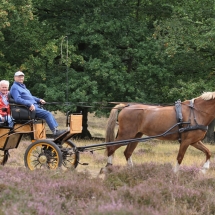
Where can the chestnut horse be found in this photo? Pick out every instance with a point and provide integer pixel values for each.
(138, 119)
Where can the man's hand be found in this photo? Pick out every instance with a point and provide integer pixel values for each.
(32, 108)
(42, 101)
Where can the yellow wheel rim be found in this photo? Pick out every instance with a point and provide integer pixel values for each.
(43, 156)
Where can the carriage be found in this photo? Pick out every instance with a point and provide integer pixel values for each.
(42, 152)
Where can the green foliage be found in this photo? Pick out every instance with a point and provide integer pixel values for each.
(187, 90)
(101, 51)
(15, 17)
(187, 40)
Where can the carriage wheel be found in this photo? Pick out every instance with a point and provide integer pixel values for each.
(43, 154)
(70, 155)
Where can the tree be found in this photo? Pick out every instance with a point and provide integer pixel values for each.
(14, 15)
(100, 51)
(188, 46)
(111, 51)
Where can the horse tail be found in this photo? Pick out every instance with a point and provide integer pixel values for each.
(110, 133)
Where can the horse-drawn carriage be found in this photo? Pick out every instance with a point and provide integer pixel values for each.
(185, 121)
(42, 152)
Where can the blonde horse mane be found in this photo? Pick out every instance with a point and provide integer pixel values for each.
(208, 95)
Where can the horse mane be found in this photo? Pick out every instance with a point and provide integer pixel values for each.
(208, 95)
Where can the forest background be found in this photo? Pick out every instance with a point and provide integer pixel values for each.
(148, 51)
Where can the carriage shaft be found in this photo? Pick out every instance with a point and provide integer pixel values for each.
(125, 142)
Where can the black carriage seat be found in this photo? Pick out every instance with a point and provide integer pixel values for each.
(20, 113)
(23, 117)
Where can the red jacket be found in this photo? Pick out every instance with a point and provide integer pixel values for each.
(2, 105)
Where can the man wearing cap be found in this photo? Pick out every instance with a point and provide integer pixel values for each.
(22, 95)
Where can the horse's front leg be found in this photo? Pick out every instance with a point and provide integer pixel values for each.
(183, 148)
(200, 146)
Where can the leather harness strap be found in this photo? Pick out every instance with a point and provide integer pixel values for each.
(179, 118)
(196, 126)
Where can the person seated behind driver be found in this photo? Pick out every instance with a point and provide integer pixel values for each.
(4, 104)
(22, 95)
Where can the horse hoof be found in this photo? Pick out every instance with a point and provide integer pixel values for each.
(103, 170)
(206, 165)
(176, 169)
(204, 170)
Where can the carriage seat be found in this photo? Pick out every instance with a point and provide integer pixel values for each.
(20, 113)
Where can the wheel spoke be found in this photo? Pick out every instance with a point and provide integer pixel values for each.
(43, 155)
(69, 159)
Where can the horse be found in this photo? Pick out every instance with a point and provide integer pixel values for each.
(137, 120)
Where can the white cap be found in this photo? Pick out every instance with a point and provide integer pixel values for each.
(18, 73)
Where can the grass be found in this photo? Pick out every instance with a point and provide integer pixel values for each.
(150, 187)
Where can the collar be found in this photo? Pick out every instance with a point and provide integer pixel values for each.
(19, 84)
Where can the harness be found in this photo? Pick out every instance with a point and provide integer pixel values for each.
(179, 118)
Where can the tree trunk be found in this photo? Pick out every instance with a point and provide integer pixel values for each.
(209, 137)
(85, 132)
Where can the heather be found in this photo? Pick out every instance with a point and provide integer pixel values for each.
(148, 188)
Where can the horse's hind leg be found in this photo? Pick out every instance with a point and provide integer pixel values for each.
(110, 152)
(128, 152)
(199, 145)
(130, 149)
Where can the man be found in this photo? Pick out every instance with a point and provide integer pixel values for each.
(4, 104)
(22, 95)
